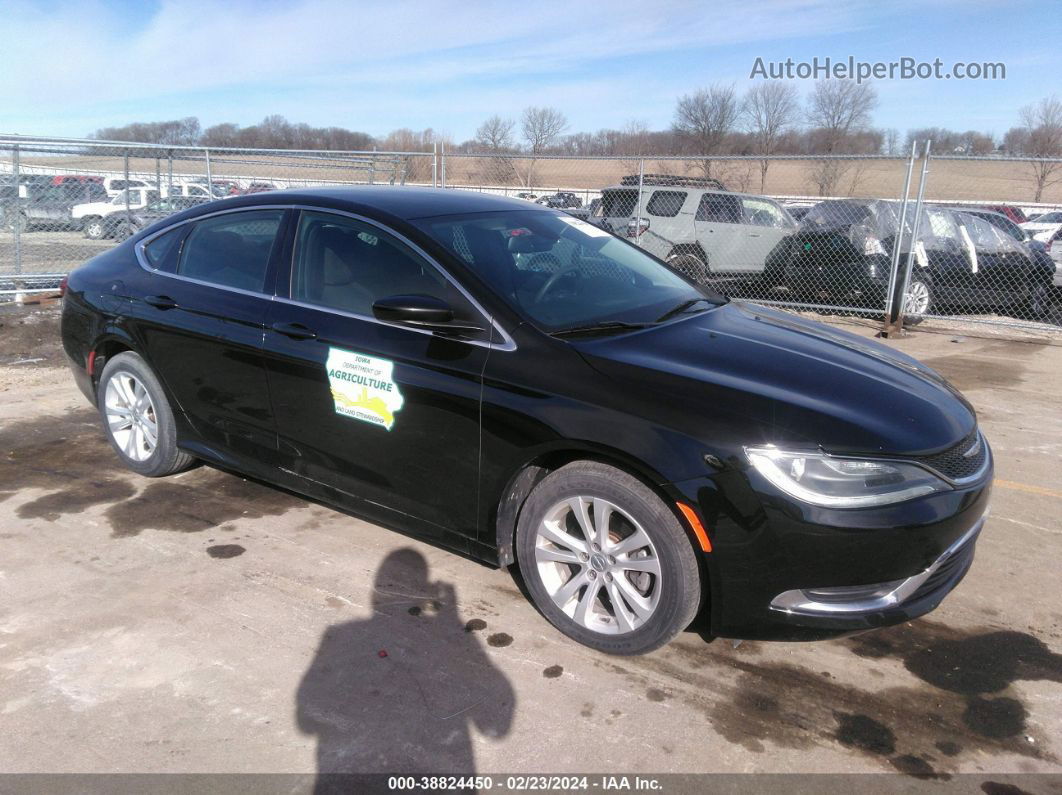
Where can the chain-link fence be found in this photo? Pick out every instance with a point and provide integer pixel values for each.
(899, 238)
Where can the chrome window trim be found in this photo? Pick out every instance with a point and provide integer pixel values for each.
(798, 602)
(507, 343)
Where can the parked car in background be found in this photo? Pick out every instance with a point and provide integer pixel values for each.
(702, 230)
(1015, 214)
(843, 252)
(258, 187)
(1037, 250)
(526, 196)
(76, 179)
(562, 200)
(587, 212)
(91, 215)
(115, 185)
(51, 207)
(119, 226)
(1043, 227)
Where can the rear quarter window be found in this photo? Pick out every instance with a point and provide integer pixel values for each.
(666, 203)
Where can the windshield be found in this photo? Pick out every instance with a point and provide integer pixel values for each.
(562, 272)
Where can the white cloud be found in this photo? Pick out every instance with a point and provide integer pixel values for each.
(78, 59)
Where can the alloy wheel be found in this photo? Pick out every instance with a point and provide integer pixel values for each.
(598, 565)
(131, 416)
(916, 301)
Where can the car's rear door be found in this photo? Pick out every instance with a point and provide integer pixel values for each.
(200, 315)
(766, 225)
(382, 412)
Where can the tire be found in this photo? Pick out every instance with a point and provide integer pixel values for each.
(126, 380)
(559, 577)
(691, 266)
(1038, 304)
(919, 293)
(94, 228)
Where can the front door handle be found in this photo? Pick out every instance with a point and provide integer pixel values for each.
(296, 331)
(160, 301)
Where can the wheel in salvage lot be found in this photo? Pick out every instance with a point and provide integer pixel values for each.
(606, 561)
(94, 228)
(137, 418)
(917, 301)
(691, 266)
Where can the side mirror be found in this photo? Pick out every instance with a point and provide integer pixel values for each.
(420, 311)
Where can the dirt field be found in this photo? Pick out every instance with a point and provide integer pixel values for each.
(975, 180)
(206, 623)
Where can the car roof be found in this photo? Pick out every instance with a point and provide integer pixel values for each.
(403, 202)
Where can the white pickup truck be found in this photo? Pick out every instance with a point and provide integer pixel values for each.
(90, 215)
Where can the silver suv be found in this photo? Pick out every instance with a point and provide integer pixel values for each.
(696, 225)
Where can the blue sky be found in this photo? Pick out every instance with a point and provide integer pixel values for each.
(72, 67)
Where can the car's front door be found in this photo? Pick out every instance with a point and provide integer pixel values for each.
(379, 411)
(200, 313)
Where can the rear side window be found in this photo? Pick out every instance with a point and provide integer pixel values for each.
(760, 212)
(719, 208)
(666, 203)
(618, 203)
(232, 249)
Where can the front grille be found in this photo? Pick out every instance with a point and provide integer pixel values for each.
(953, 464)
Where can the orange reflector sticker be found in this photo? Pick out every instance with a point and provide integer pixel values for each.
(695, 523)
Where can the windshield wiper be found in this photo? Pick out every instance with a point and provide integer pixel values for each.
(678, 310)
(604, 327)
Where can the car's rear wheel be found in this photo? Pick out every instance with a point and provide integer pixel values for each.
(138, 419)
(94, 229)
(606, 561)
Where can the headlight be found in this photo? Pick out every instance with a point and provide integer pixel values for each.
(842, 482)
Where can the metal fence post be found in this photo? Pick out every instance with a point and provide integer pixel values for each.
(638, 206)
(15, 170)
(125, 172)
(435, 164)
(891, 311)
(169, 174)
(914, 238)
(158, 175)
(209, 175)
(442, 164)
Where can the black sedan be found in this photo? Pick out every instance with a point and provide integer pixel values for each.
(524, 387)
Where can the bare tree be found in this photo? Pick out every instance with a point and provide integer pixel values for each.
(633, 143)
(495, 134)
(892, 141)
(1044, 124)
(838, 110)
(541, 128)
(769, 110)
(705, 118)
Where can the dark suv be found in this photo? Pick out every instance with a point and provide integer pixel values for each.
(560, 200)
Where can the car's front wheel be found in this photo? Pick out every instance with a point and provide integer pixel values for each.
(917, 302)
(93, 228)
(606, 561)
(138, 419)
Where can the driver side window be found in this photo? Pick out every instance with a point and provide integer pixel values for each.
(345, 264)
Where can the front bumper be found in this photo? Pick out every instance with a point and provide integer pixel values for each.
(781, 570)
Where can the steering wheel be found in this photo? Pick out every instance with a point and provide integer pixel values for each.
(551, 282)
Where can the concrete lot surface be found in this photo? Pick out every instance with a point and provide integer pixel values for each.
(205, 623)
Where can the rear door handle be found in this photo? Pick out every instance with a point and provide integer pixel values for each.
(160, 301)
(296, 331)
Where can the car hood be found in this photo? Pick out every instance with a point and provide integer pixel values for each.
(743, 374)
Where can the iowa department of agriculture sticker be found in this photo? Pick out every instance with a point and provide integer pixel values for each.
(363, 387)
